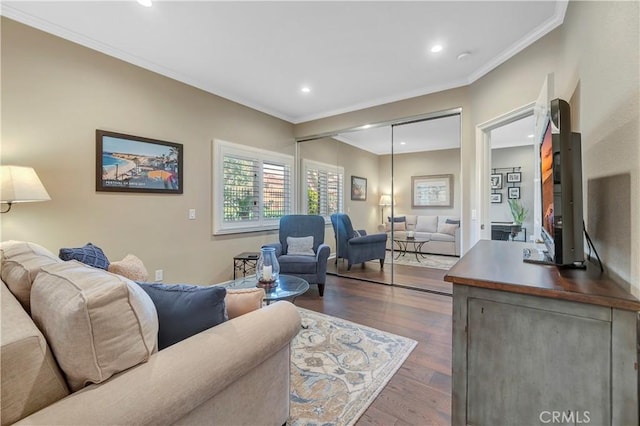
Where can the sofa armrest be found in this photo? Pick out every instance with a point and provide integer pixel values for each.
(181, 378)
(457, 241)
(362, 232)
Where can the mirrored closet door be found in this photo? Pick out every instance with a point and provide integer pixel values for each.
(397, 180)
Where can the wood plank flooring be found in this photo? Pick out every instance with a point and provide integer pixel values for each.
(420, 391)
(427, 279)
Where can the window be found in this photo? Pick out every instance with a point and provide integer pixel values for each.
(252, 188)
(323, 187)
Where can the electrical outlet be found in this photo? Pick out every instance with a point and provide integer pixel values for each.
(192, 214)
(159, 275)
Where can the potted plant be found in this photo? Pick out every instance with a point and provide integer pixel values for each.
(519, 214)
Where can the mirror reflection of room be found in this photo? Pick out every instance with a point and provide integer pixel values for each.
(385, 232)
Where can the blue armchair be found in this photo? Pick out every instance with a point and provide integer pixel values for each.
(311, 267)
(354, 248)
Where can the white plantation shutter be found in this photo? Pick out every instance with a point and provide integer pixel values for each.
(252, 188)
(324, 193)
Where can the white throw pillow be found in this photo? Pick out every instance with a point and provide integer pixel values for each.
(447, 228)
(97, 323)
(300, 246)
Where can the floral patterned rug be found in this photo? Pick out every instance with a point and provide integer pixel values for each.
(339, 367)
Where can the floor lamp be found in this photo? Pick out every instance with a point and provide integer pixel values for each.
(385, 200)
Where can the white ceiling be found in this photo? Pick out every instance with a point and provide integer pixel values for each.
(428, 135)
(351, 54)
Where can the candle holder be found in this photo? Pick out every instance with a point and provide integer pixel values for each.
(267, 268)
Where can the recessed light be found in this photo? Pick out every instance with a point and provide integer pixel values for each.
(530, 136)
(306, 89)
(463, 55)
(403, 143)
(436, 48)
(145, 3)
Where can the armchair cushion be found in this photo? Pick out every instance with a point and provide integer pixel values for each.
(185, 310)
(301, 246)
(294, 264)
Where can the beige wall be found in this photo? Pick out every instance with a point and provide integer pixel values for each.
(55, 94)
(594, 59)
(405, 166)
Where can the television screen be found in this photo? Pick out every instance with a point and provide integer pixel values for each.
(546, 166)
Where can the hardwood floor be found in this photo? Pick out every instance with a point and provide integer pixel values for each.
(420, 391)
(427, 279)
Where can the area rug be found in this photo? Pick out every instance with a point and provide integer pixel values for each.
(426, 260)
(339, 367)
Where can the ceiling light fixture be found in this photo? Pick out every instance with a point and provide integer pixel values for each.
(463, 55)
(436, 48)
(305, 89)
(145, 3)
(403, 143)
(529, 136)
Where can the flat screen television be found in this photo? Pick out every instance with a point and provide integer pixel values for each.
(561, 190)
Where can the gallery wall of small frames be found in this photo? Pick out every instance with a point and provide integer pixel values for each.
(507, 179)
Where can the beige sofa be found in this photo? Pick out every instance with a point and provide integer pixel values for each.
(234, 373)
(441, 232)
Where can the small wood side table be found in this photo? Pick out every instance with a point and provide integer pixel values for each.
(245, 262)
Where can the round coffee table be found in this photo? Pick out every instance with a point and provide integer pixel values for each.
(403, 243)
(289, 287)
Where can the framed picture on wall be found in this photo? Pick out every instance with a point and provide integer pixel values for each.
(358, 188)
(432, 191)
(126, 163)
(496, 198)
(514, 177)
(496, 181)
(513, 192)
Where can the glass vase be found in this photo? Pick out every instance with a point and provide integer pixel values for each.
(268, 268)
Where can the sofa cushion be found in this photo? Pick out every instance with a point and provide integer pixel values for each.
(88, 254)
(240, 301)
(21, 262)
(301, 246)
(442, 237)
(185, 310)
(427, 224)
(31, 379)
(130, 267)
(290, 264)
(97, 323)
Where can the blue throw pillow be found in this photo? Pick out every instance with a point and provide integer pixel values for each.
(89, 255)
(185, 310)
(452, 222)
(397, 218)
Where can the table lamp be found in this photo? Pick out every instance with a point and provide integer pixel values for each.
(20, 185)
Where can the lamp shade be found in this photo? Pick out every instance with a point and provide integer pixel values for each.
(21, 185)
(385, 200)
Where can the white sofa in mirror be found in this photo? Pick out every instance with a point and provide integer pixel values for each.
(441, 232)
